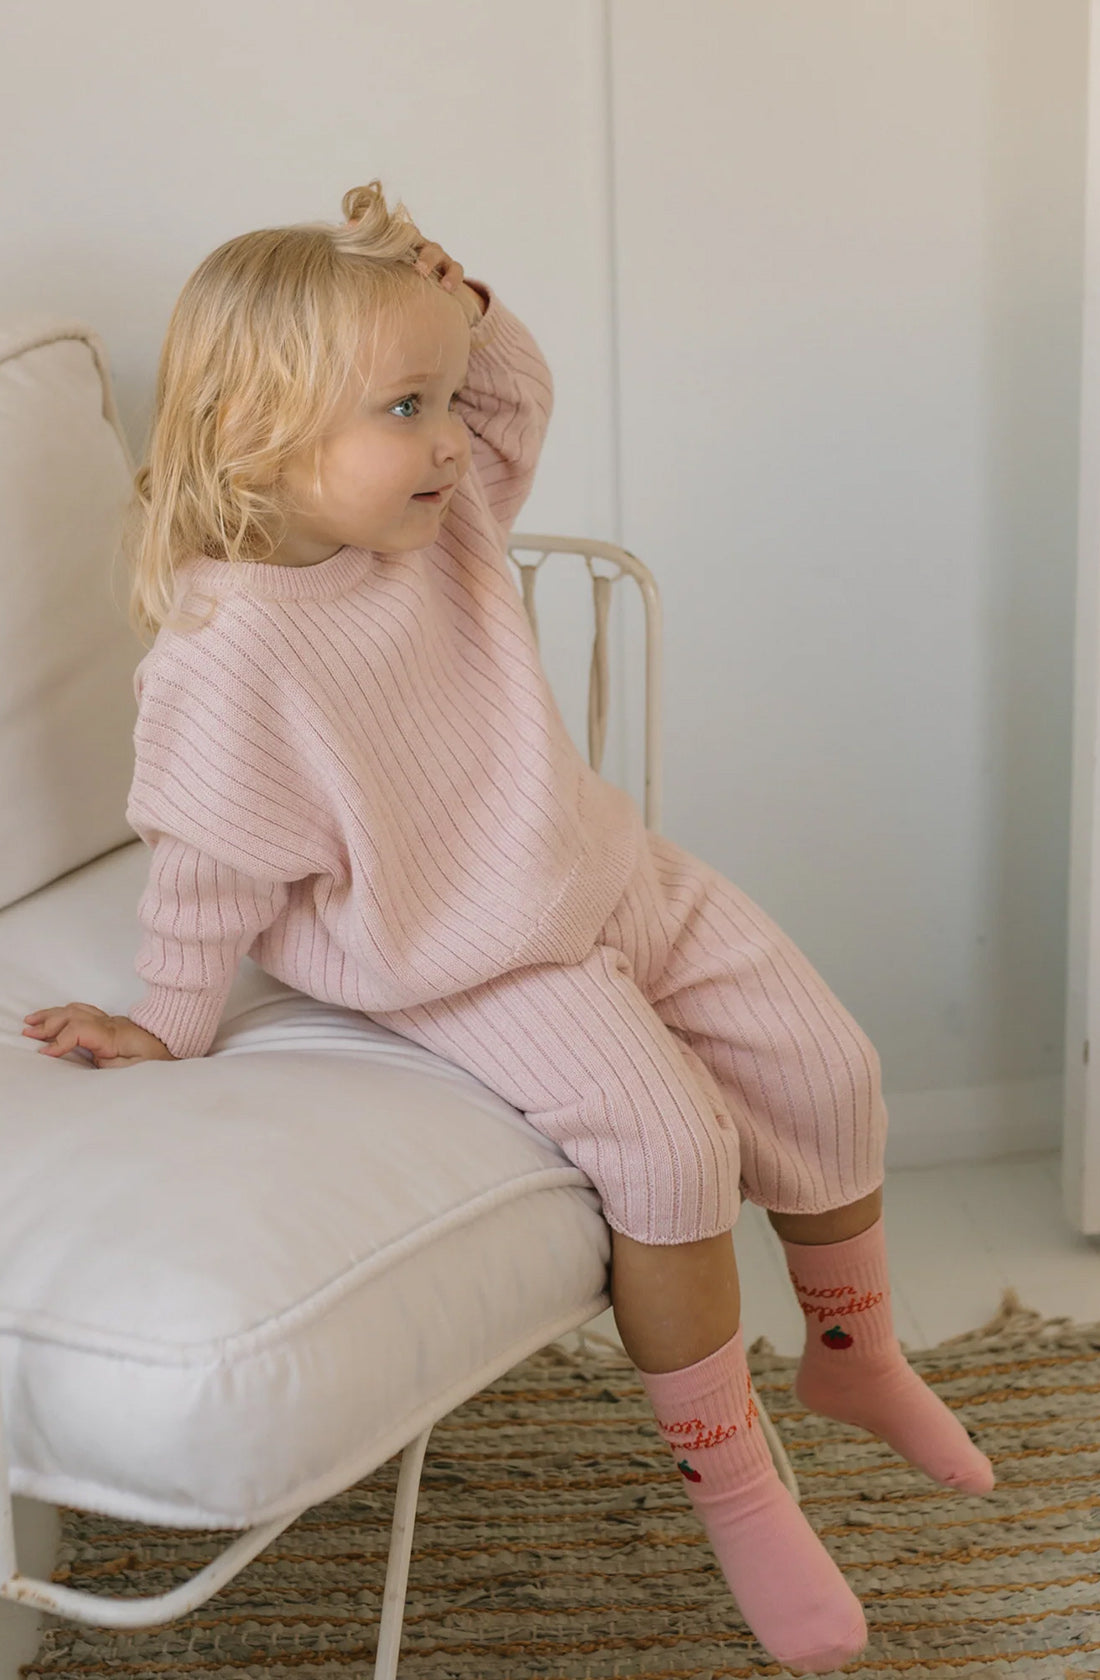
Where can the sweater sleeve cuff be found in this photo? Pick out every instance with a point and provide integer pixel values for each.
(185, 1022)
(484, 331)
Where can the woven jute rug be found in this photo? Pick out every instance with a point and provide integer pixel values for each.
(555, 1538)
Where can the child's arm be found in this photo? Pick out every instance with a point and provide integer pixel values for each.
(508, 395)
(200, 917)
(221, 795)
(506, 402)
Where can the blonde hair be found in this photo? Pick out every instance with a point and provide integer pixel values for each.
(259, 349)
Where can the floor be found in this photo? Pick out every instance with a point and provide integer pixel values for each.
(956, 1238)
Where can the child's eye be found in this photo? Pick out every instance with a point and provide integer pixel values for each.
(414, 401)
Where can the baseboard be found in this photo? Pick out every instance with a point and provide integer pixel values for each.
(974, 1123)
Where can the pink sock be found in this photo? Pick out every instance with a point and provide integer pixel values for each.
(853, 1368)
(786, 1585)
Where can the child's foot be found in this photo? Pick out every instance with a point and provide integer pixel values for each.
(853, 1368)
(786, 1585)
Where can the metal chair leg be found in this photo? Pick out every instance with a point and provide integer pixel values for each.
(397, 1568)
(778, 1450)
(99, 1610)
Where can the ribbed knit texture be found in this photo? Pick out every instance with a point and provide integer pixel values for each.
(693, 1048)
(357, 773)
(358, 776)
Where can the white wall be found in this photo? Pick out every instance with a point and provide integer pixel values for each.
(849, 251)
(147, 135)
(836, 249)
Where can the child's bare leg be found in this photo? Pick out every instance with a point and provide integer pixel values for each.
(835, 1226)
(674, 1305)
(678, 1309)
(853, 1368)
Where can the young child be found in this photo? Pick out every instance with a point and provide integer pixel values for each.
(349, 765)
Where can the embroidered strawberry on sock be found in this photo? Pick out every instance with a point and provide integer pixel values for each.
(837, 1338)
(685, 1467)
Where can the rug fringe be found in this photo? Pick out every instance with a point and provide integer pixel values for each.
(1018, 1322)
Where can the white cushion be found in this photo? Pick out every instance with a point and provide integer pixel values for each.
(231, 1286)
(67, 654)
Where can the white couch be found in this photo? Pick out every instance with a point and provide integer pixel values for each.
(229, 1286)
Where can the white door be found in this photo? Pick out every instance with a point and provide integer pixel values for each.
(1081, 1133)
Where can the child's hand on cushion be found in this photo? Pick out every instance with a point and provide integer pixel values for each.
(114, 1040)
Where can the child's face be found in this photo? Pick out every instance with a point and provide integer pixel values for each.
(392, 442)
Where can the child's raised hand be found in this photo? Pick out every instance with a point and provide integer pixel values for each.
(114, 1040)
(433, 263)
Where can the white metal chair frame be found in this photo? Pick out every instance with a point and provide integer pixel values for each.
(100, 1610)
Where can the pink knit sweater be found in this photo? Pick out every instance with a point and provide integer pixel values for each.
(357, 774)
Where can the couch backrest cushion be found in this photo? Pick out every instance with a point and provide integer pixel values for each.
(67, 653)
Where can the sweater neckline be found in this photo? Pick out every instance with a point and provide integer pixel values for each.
(321, 581)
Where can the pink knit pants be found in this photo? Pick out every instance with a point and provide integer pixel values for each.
(692, 1058)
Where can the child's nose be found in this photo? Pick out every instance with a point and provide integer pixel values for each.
(454, 443)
